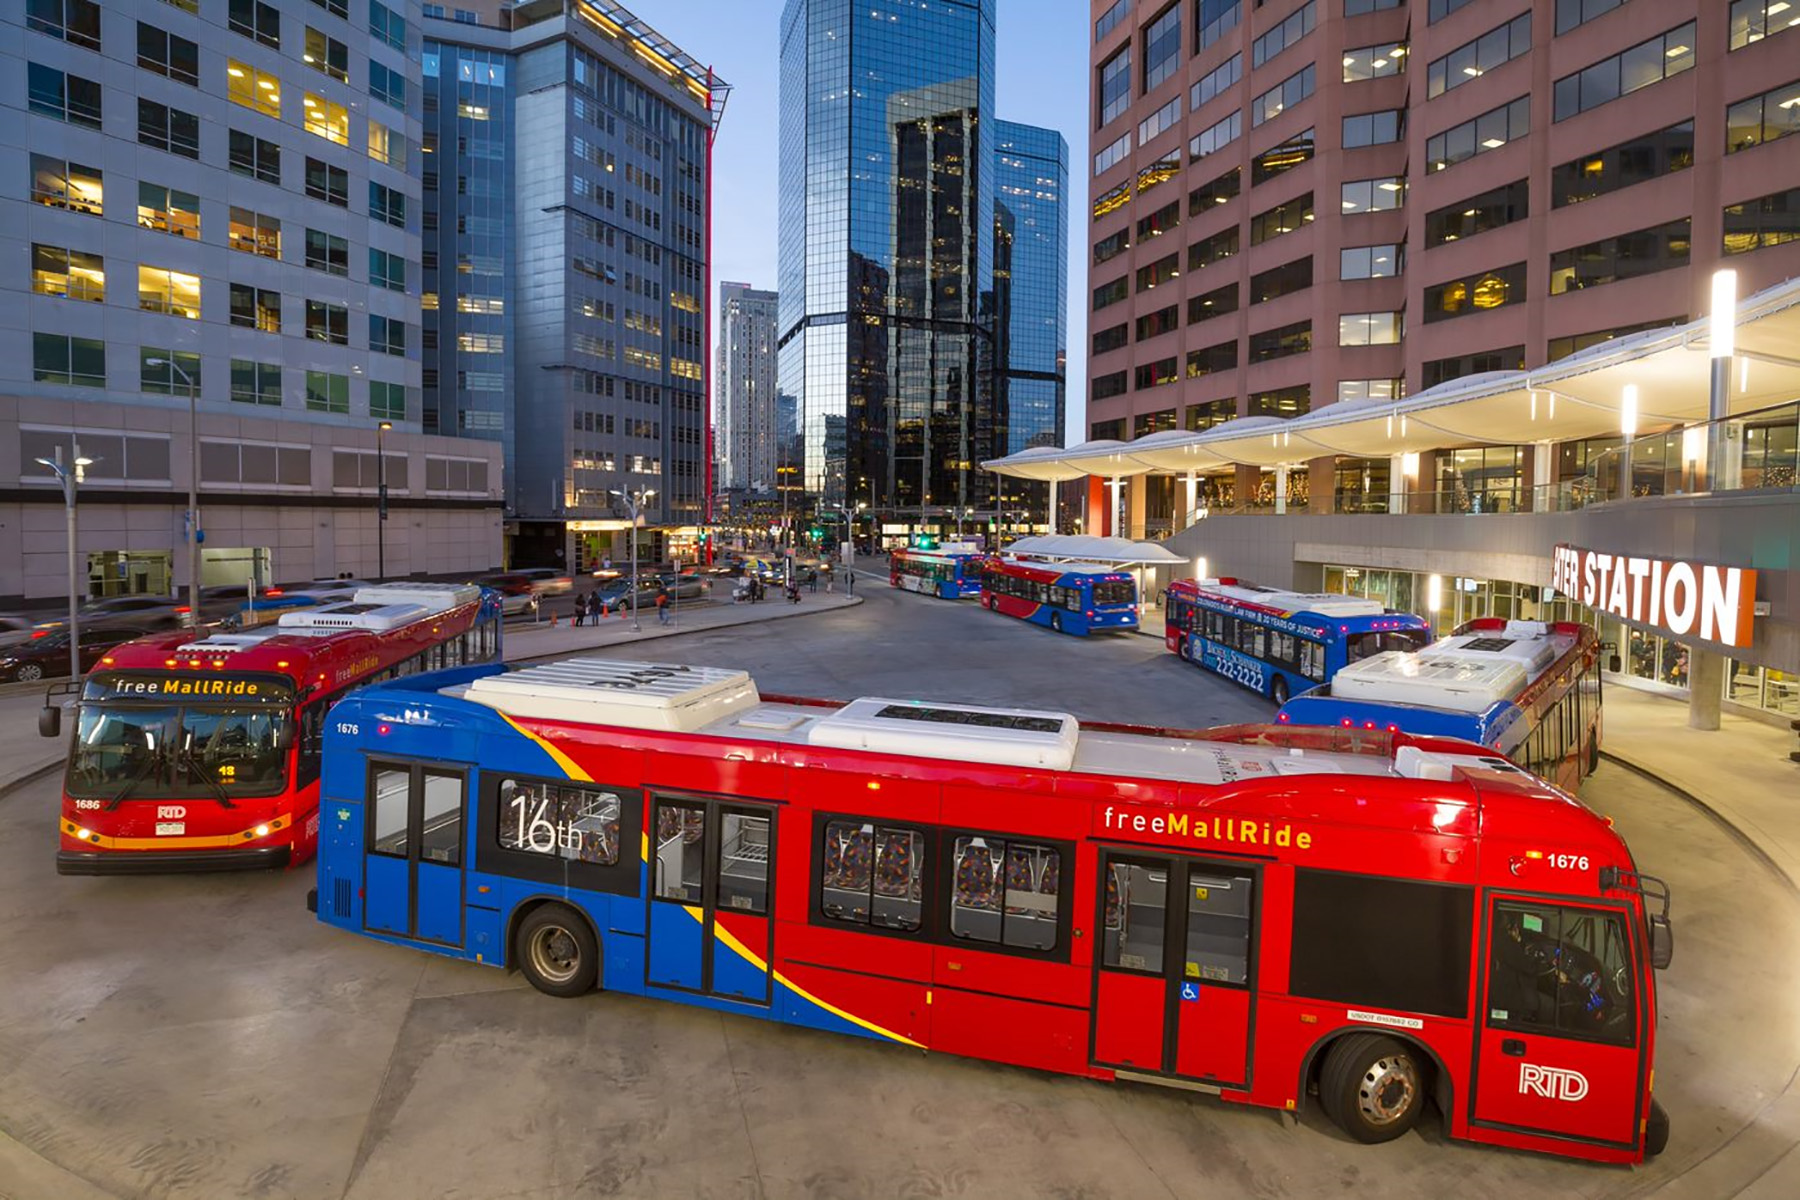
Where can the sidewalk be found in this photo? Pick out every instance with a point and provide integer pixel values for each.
(527, 640)
(1740, 773)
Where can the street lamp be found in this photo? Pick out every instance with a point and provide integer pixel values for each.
(1722, 342)
(381, 501)
(634, 504)
(69, 476)
(1628, 417)
(193, 512)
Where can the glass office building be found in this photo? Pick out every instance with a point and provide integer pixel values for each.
(1031, 256)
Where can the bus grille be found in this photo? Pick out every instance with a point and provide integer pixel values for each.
(340, 898)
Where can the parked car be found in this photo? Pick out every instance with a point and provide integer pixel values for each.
(546, 581)
(616, 593)
(46, 654)
(140, 612)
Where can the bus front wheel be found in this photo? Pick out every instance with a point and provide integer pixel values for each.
(558, 952)
(1278, 691)
(1372, 1086)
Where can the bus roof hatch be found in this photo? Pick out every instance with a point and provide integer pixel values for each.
(600, 691)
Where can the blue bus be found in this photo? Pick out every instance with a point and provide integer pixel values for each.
(945, 573)
(1280, 643)
(1074, 598)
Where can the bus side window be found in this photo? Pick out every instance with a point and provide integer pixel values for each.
(1071, 598)
(310, 742)
(1006, 893)
(1561, 970)
(1135, 913)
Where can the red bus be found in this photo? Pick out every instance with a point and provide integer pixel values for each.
(1270, 913)
(201, 752)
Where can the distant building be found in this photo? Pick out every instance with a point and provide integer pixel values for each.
(1031, 257)
(744, 405)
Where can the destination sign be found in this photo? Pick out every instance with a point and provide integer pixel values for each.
(235, 689)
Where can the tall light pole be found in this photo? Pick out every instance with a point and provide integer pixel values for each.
(193, 509)
(1722, 343)
(1628, 417)
(634, 505)
(381, 500)
(69, 476)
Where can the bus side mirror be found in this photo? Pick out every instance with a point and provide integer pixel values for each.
(49, 721)
(1662, 942)
(284, 738)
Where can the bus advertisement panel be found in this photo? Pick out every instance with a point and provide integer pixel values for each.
(200, 751)
(1069, 597)
(1527, 689)
(1278, 643)
(946, 574)
(1268, 913)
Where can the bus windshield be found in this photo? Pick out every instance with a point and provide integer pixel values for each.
(164, 751)
(1359, 646)
(1115, 591)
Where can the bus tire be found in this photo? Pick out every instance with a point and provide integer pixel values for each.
(1656, 1129)
(1373, 1086)
(1593, 754)
(1278, 691)
(557, 952)
(1056, 622)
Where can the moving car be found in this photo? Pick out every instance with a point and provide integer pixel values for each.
(142, 613)
(45, 654)
(546, 581)
(686, 586)
(516, 592)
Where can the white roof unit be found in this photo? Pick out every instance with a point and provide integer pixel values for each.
(378, 609)
(226, 643)
(1075, 568)
(1468, 673)
(658, 696)
(1011, 737)
(1326, 604)
(439, 597)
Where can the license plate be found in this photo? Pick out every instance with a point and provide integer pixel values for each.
(169, 828)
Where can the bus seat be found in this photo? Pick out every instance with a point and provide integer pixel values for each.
(857, 854)
(975, 871)
(893, 874)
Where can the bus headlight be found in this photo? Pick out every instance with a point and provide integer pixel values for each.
(82, 835)
(262, 831)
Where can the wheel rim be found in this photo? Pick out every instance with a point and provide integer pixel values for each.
(1388, 1090)
(554, 954)
(30, 672)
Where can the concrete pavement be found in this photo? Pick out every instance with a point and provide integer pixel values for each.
(541, 639)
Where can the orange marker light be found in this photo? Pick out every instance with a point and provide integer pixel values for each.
(1534, 854)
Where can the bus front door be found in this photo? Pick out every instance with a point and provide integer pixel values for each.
(709, 926)
(1172, 993)
(412, 872)
(1560, 1044)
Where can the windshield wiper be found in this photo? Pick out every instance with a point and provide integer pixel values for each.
(131, 784)
(191, 763)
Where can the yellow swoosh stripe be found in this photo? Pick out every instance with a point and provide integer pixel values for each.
(562, 760)
(217, 841)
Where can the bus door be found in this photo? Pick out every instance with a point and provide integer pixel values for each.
(1172, 993)
(711, 872)
(1561, 1050)
(412, 871)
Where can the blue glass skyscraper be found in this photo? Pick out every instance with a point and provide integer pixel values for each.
(1031, 262)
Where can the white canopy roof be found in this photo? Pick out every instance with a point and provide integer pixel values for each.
(1572, 398)
(1108, 550)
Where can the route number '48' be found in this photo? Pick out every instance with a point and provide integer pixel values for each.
(1568, 862)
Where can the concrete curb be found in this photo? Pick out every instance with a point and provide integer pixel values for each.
(30, 775)
(1731, 829)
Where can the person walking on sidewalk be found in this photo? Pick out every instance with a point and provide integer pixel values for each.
(662, 604)
(849, 582)
(581, 610)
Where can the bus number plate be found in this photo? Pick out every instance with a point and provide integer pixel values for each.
(170, 828)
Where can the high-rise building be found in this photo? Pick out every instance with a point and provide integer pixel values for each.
(566, 209)
(744, 410)
(1031, 256)
(220, 206)
(1303, 202)
(886, 253)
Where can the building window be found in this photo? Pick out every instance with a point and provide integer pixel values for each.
(1765, 118)
(168, 210)
(1216, 137)
(330, 121)
(1115, 87)
(1281, 402)
(255, 233)
(1282, 342)
(1279, 159)
(1282, 96)
(254, 157)
(1109, 20)
(327, 393)
(1475, 293)
(327, 323)
(256, 20)
(1373, 195)
(1287, 217)
(1370, 329)
(1644, 64)
(327, 55)
(387, 270)
(1216, 82)
(1162, 47)
(337, 8)
(1210, 360)
(161, 51)
(1199, 417)
(1159, 222)
(1111, 156)
(1472, 60)
(77, 361)
(1105, 387)
(74, 21)
(255, 308)
(1163, 320)
(187, 6)
(256, 90)
(66, 97)
(1477, 214)
(1111, 292)
(1772, 220)
(1215, 303)
(1754, 20)
(1356, 8)
(387, 25)
(1373, 128)
(1156, 374)
(1562, 347)
(387, 401)
(387, 146)
(1370, 262)
(387, 204)
(1439, 9)
(1154, 422)
(1571, 14)
(1490, 131)
(1374, 62)
(1641, 252)
(1295, 26)
(328, 183)
(62, 184)
(387, 86)
(387, 335)
(163, 372)
(1112, 245)
(1164, 118)
(1160, 271)
(1637, 161)
(1111, 339)
(1280, 281)
(1217, 248)
(1216, 192)
(69, 274)
(172, 292)
(1443, 370)
(327, 252)
(256, 383)
(170, 129)
(1213, 19)
(1370, 389)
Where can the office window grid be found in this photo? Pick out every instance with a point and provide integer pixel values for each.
(1472, 60)
(74, 21)
(1216, 82)
(1373, 128)
(1283, 96)
(1756, 120)
(1290, 30)
(1491, 209)
(1772, 220)
(1162, 47)
(1490, 131)
(1649, 62)
(1754, 20)
(66, 97)
(1475, 293)
(1374, 62)
(1626, 256)
(1372, 195)
(1650, 156)
(1277, 160)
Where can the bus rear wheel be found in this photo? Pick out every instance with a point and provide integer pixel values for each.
(1372, 1086)
(1278, 691)
(558, 952)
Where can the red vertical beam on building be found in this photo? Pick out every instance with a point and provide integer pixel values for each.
(706, 360)
(1099, 513)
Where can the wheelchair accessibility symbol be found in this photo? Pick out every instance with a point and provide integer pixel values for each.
(1190, 991)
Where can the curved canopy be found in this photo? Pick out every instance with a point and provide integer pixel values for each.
(1112, 551)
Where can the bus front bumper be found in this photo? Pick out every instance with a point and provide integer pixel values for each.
(88, 862)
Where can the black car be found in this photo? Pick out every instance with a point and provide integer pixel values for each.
(45, 654)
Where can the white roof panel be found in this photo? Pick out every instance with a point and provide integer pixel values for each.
(1324, 603)
(1466, 673)
(599, 691)
(922, 729)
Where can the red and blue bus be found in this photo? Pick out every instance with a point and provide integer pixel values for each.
(200, 751)
(1527, 689)
(1072, 597)
(1267, 913)
(1279, 643)
(945, 573)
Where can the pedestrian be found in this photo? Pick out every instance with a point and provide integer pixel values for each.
(662, 604)
(812, 580)
(849, 582)
(581, 610)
